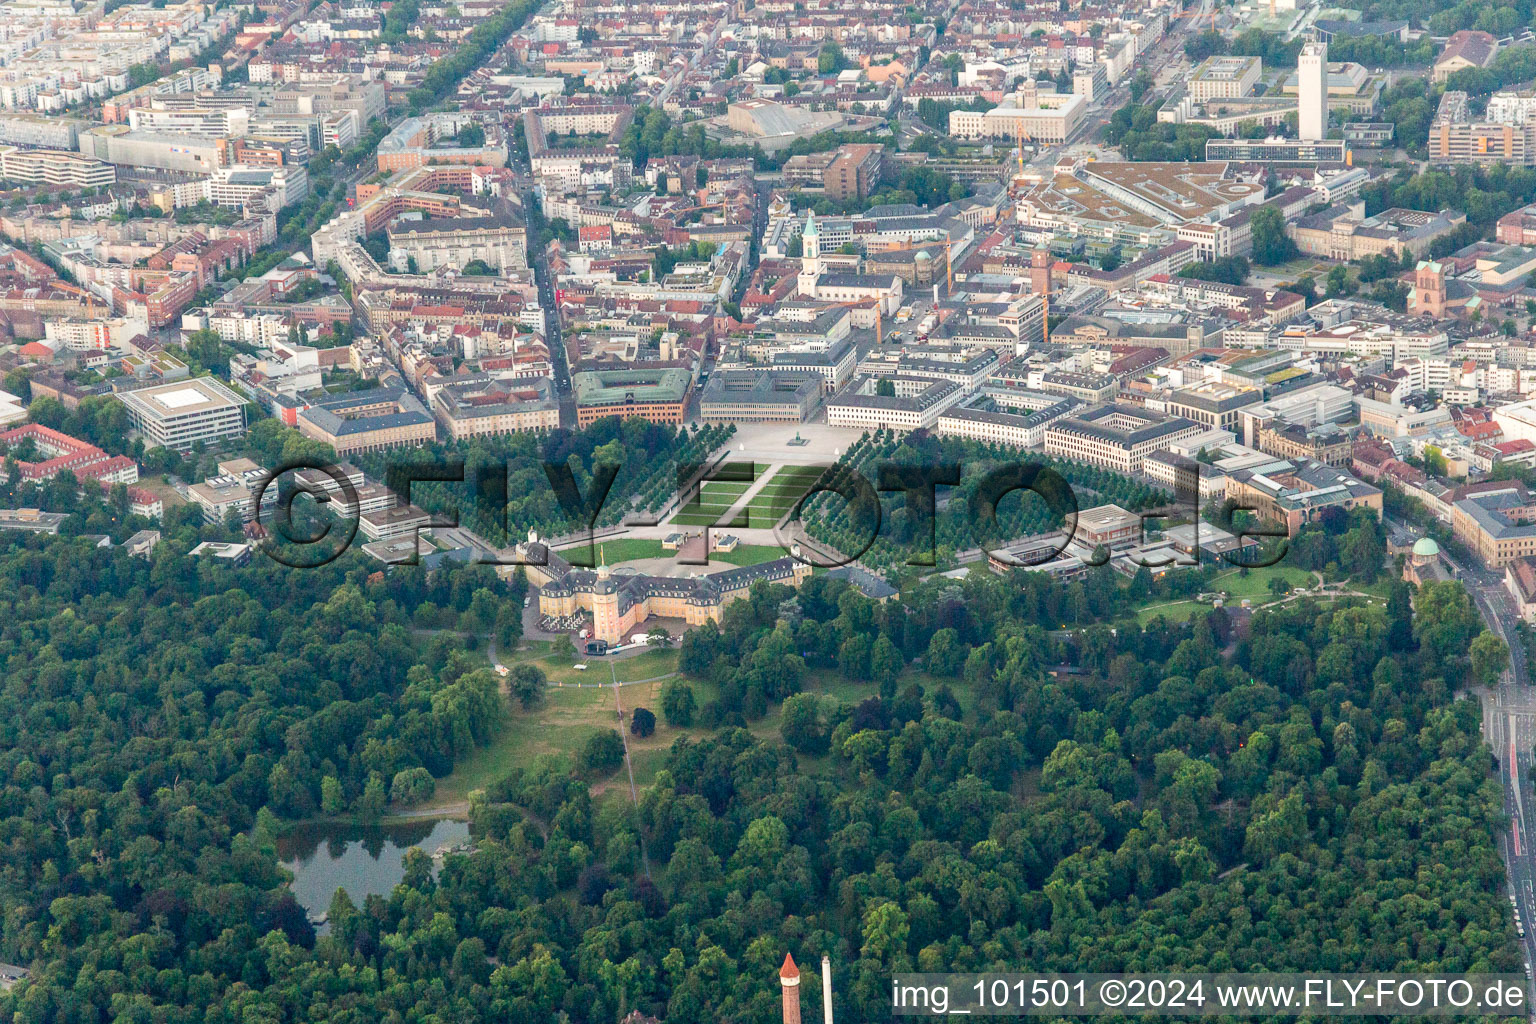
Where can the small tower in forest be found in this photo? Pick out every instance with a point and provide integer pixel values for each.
(789, 981)
(826, 989)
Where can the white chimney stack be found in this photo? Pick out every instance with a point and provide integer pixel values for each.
(826, 989)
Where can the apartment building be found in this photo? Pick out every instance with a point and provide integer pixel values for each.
(214, 122)
(431, 138)
(854, 171)
(1042, 117)
(485, 406)
(499, 240)
(1455, 136)
(1224, 77)
(54, 167)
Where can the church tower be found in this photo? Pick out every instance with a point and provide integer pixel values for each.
(1429, 289)
(810, 260)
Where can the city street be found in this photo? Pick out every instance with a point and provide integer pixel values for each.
(1509, 726)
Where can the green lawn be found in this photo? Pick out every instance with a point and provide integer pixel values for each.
(569, 716)
(750, 518)
(799, 478)
(749, 554)
(782, 491)
(1254, 587)
(562, 670)
(710, 513)
(784, 500)
(786, 489)
(711, 519)
(1300, 266)
(1179, 611)
(718, 494)
(653, 663)
(1256, 584)
(727, 486)
(787, 473)
(1382, 588)
(628, 549)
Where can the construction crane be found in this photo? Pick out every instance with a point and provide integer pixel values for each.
(879, 317)
(724, 209)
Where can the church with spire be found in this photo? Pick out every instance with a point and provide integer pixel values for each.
(818, 282)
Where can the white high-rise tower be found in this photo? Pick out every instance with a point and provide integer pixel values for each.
(1312, 92)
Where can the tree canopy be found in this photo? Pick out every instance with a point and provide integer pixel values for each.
(992, 771)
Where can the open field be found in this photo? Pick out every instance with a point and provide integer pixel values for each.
(656, 662)
(1254, 586)
(568, 719)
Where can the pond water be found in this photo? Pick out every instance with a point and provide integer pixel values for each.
(362, 859)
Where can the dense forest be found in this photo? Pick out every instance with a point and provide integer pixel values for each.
(1294, 791)
(902, 540)
(646, 456)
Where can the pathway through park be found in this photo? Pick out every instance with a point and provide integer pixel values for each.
(634, 794)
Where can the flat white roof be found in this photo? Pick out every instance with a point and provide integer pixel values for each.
(182, 398)
(195, 394)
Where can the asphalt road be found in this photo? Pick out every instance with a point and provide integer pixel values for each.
(1509, 726)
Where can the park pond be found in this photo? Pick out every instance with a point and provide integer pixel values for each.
(362, 859)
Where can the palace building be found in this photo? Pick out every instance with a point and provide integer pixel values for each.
(619, 602)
